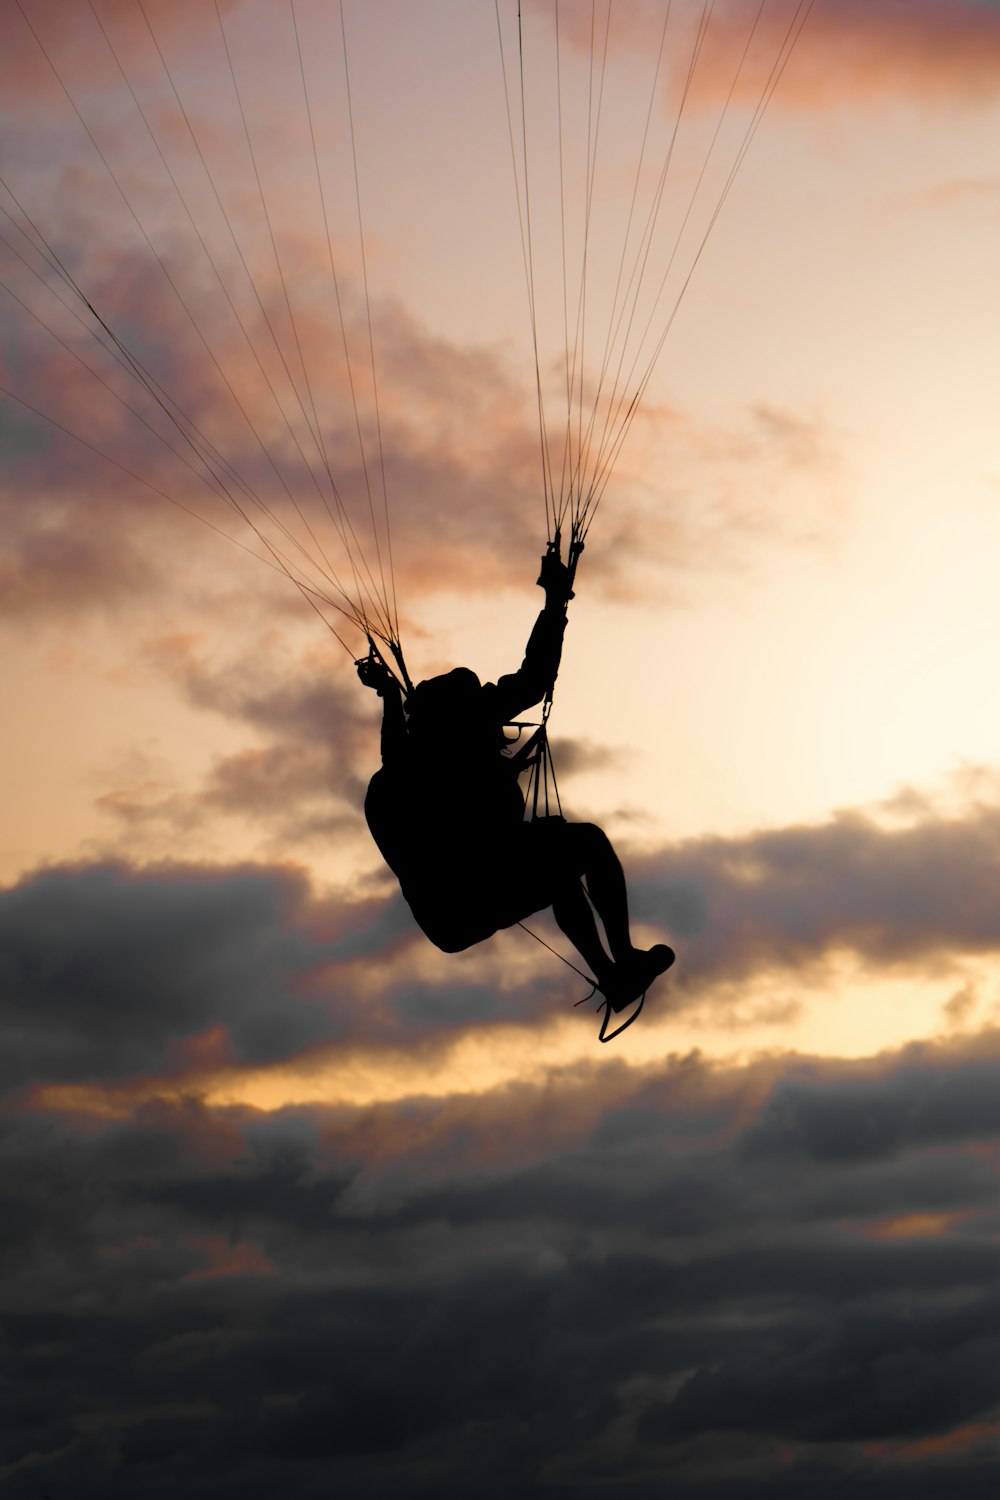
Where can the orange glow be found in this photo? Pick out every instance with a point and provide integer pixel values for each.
(242, 1258)
(839, 1010)
(933, 1447)
(919, 1226)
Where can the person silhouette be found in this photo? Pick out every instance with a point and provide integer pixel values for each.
(448, 815)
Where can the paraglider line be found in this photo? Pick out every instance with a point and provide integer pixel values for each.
(380, 607)
(176, 290)
(314, 430)
(342, 508)
(308, 593)
(371, 334)
(218, 275)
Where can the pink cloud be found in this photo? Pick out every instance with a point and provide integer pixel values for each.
(939, 51)
(849, 50)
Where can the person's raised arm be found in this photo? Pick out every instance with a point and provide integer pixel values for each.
(375, 674)
(537, 673)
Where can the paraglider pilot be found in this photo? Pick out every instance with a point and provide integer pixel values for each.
(447, 814)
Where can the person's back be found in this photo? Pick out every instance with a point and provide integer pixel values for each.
(446, 803)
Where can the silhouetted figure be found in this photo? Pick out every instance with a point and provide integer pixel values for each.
(447, 814)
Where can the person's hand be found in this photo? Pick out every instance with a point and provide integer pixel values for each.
(555, 578)
(374, 673)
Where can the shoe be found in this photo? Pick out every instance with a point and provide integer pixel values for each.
(632, 979)
(629, 984)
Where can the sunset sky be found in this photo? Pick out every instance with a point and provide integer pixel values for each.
(291, 1198)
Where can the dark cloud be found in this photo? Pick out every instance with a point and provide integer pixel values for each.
(106, 973)
(577, 757)
(784, 897)
(112, 972)
(613, 1279)
(110, 975)
(735, 1281)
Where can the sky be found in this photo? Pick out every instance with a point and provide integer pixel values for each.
(290, 1198)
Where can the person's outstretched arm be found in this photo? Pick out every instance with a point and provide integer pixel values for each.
(537, 673)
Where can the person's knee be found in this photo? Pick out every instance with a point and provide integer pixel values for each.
(591, 842)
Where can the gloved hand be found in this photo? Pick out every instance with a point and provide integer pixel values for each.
(555, 578)
(374, 673)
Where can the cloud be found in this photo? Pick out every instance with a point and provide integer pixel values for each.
(302, 783)
(959, 192)
(937, 51)
(578, 757)
(849, 52)
(122, 981)
(119, 980)
(107, 973)
(650, 1276)
(115, 974)
(460, 457)
(737, 1277)
(304, 779)
(225, 343)
(784, 897)
(456, 425)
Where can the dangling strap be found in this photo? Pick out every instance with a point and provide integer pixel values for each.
(604, 1035)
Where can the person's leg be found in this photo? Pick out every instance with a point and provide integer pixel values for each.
(554, 859)
(601, 868)
(574, 915)
(589, 854)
